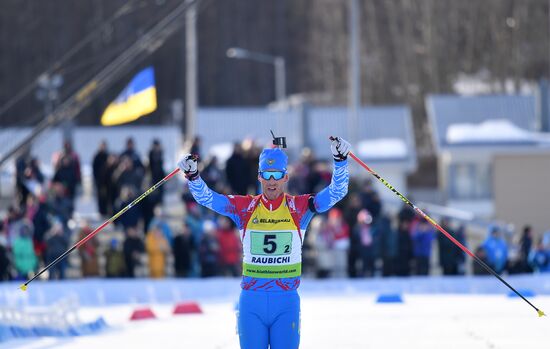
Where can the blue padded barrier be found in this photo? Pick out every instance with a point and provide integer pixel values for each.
(524, 292)
(105, 292)
(8, 332)
(389, 298)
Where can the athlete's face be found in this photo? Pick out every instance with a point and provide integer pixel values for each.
(271, 187)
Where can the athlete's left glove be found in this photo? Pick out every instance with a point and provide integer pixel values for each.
(340, 148)
(189, 166)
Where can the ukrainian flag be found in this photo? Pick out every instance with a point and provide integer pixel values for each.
(139, 98)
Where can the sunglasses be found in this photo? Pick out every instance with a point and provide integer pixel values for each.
(276, 175)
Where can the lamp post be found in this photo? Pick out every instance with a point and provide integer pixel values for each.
(278, 64)
(48, 93)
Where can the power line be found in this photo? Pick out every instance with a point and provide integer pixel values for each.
(126, 8)
(143, 47)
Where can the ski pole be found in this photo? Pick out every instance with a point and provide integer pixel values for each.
(449, 236)
(24, 286)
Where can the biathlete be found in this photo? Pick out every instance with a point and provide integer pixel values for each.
(272, 227)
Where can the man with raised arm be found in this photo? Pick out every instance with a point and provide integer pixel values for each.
(272, 227)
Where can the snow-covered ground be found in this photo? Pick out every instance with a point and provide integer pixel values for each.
(346, 322)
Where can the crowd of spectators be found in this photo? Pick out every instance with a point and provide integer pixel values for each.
(356, 238)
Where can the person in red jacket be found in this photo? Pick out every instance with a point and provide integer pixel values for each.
(230, 247)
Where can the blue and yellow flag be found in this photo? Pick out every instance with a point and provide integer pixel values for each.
(139, 98)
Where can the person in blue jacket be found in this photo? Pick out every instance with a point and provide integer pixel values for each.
(271, 228)
(539, 257)
(497, 249)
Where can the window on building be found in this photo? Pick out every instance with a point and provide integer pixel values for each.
(470, 181)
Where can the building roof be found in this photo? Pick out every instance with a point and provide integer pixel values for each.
(446, 112)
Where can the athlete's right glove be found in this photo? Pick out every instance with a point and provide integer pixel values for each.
(189, 166)
(340, 148)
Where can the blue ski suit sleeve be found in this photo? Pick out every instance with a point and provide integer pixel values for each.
(212, 200)
(336, 190)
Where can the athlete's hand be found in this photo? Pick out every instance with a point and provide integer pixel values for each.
(189, 166)
(340, 148)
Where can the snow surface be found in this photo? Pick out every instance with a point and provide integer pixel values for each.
(498, 130)
(335, 322)
(382, 148)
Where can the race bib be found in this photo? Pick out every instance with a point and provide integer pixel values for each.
(270, 243)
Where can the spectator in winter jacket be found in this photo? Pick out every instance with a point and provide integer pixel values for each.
(230, 247)
(363, 230)
(88, 253)
(109, 181)
(460, 257)
(56, 244)
(126, 175)
(159, 222)
(450, 256)
(212, 174)
(101, 178)
(75, 160)
(131, 153)
(209, 249)
(41, 223)
(133, 248)
(388, 242)
(66, 173)
(481, 254)
(539, 258)
(404, 249)
(156, 168)
(24, 257)
(336, 232)
(353, 207)
(181, 249)
(12, 224)
(20, 167)
(67, 170)
(4, 259)
(60, 203)
(115, 267)
(525, 244)
(321, 245)
(422, 236)
(131, 218)
(497, 249)
(194, 221)
(371, 199)
(157, 248)
(236, 170)
(406, 213)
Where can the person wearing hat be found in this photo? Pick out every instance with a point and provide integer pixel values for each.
(272, 227)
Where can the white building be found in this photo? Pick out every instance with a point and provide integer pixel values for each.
(469, 132)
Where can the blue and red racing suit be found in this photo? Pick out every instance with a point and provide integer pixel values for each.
(272, 234)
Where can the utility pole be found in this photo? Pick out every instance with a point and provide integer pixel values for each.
(280, 79)
(354, 89)
(191, 85)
